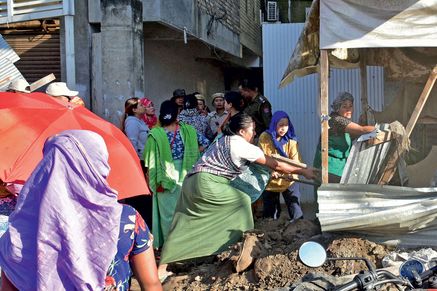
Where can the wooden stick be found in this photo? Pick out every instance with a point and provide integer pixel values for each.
(289, 161)
(421, 102)
(363, 75)
(291, 178)
(324, 94)
(41, 82)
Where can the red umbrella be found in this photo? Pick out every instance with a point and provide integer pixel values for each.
(27, 120)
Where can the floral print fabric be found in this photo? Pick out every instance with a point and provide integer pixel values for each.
(134, 238)
(177, 144)
(193, 118)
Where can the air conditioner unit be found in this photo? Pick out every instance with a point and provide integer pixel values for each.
(272, 11)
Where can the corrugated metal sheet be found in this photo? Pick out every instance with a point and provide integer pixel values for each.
(8, 71)
(40, 54)
(300, 99)
(392, 214)
(365, 163)
(6, 51)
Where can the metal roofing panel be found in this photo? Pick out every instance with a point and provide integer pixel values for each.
(364, 163)
(6, 52)
(393, 214)
(8, 72)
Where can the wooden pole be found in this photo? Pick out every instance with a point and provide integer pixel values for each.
(422, 100)
(324, 89)
(289, 161)
(364, 97)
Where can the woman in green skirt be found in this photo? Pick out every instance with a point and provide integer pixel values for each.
(211, 214)
(171, 151)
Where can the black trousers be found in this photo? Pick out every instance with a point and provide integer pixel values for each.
(143, 203)
(272, 205)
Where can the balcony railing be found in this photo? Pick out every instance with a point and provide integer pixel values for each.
(24, 10)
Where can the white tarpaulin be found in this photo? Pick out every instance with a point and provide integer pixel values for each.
(376, 23)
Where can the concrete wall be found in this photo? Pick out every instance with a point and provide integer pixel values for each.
(119, 56)
(250, 25)
(117, 68)
(172, 64)
(214, 21)
(82, 45)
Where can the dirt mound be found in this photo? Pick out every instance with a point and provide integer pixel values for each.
(267, 259)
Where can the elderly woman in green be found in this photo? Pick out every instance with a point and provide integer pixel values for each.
(341, 131)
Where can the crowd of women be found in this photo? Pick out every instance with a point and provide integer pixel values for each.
(69, 232)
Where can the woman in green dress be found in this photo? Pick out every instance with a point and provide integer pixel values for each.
(211, 214)
(341, 132)
(171, 151)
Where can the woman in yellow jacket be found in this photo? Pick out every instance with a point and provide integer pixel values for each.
(280, 139)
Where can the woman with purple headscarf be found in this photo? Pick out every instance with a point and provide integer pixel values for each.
(280, 139)
(68, 230)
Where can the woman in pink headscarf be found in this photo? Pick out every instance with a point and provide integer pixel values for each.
(149, 117)
(68, 230)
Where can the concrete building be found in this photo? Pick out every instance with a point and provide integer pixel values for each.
(112, 50)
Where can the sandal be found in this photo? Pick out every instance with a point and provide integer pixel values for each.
(164, 276)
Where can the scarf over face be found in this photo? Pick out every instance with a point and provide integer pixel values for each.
(150, 120)
(63, 233)
(279, 144)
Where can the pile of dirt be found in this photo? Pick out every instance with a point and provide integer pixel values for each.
(267, 259)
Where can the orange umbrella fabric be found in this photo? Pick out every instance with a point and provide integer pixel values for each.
(27, 120)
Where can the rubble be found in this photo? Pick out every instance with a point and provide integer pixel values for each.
(267, 259)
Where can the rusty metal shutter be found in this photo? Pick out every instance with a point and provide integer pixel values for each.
(39, 53)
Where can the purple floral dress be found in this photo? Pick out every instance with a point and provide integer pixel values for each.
(134, 238)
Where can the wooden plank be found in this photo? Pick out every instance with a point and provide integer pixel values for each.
(324, 91)
(422, 100)
(41, 82)
(289, 161)
(364, 97)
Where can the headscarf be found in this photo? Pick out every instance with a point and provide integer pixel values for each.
(342, 96)
(151, 121)
(279, 144)
(63, 233)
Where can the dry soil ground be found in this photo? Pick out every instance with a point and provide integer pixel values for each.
(267, 259)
